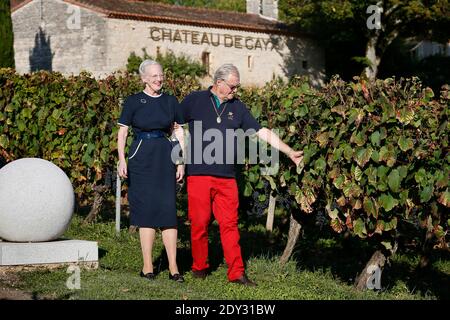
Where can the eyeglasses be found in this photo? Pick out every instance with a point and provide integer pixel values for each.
(232, 88)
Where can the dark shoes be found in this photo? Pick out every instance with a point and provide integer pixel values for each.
(151, 276)
(200, 274)
(176, 277)
(148, 276)
(244, 281)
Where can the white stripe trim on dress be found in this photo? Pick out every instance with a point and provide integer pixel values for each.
(151, 95)
(121, 124)
(136, 150)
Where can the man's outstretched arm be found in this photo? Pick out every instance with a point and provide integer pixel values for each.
(272, 138)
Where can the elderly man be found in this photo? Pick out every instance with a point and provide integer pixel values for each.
(212, 186)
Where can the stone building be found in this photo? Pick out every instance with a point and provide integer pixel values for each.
(98, 36)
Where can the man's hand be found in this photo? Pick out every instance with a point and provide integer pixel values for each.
(180, 173)
(296, 157)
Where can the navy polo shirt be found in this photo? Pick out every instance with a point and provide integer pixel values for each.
(200, 111)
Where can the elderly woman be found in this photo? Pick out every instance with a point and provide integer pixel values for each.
(151, 173)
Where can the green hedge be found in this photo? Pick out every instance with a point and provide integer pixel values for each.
(376, 155)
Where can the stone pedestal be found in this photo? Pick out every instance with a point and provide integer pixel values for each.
(52, 252)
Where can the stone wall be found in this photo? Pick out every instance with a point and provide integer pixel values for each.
(53, 35)
(259, 57)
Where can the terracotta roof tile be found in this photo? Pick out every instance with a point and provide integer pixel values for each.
(151, 11)
(16, 4)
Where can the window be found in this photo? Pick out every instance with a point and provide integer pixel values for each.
(305, 64)
(249, 62)
(205, 61)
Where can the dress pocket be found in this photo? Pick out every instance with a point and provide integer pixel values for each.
(133, 153)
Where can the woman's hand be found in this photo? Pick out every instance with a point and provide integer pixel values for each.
(122, 169)
(180, 172)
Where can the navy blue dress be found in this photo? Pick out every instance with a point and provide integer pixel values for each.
(151, 172)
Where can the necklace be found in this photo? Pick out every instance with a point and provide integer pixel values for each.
(218, 119)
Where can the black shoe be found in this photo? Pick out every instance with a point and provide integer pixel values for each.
(149, 276)
(200, 274)
(244, 281)
(176, 277)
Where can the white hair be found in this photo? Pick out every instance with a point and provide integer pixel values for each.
(144, 64)
(224, 71)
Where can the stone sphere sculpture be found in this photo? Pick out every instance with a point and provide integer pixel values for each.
(36, 201)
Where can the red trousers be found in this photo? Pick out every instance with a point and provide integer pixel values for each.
(219, 195)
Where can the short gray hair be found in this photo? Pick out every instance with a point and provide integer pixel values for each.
(224, 71)
(144, 64)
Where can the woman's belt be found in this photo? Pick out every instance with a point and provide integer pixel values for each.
(147, 135)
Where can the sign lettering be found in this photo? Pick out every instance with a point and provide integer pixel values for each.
(214, 39)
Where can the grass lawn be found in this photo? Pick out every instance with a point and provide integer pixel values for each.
(321, 268)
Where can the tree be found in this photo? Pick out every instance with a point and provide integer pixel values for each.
(179, 66)
(6, 35)
(373, 26)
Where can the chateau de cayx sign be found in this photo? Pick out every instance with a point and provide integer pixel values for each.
(225, 40)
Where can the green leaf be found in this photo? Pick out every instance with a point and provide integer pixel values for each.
(382, 171)
(441, 178)
(104, 154)
(363, 156)
(369, 207)
(359, 139)
(404, 197)
(302, 111)
(428, 93)
(348, 152)
(426, 193)
(371, 174)
(21, 125)
(391, 225)
(300, 167)
(387, 202)
(248, 190)
(375, 138)
(357, 173)
(387, 245)
(337, 153)
(359, 228)
(338, 182)
(320, 164)
(405, 115)
(287, 103)
(4, 141)
(394, 180)
(444, 199)
(375, 156)
(420, 176)
(405, 143)
(403, 171)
